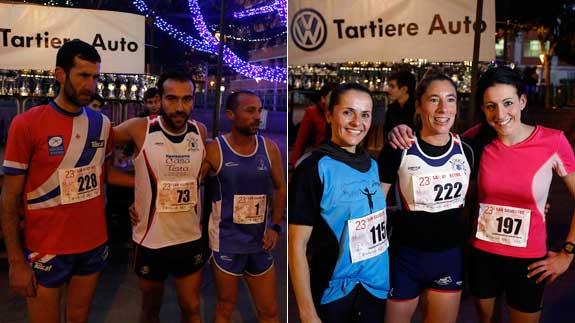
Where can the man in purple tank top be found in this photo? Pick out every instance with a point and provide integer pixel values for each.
(247, 184)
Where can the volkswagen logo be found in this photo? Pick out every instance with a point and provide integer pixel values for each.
(308, 29)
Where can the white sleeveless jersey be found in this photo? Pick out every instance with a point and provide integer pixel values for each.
(167, 196)
(433, 184)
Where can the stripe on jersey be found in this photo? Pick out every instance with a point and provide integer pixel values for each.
(95, 121)
(433, 161)
(154, 191)
(12, 167)
(156, 126)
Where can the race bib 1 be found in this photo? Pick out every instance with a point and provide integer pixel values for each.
(249, 209)
(503, 224)
(367, 236)
(79, 184)
(176, 196)
(439, 192)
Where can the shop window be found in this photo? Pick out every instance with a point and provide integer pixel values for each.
(532, 48)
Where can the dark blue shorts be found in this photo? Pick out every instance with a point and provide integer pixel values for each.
(53, 271)
(414, 270)
(254, 264)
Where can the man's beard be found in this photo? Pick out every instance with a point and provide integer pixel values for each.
(247, 131)
(72, 95)
(171, 124)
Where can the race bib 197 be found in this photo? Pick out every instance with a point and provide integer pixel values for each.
(176, 196)
(367, 236)
(249, 209)
(503, 224)
(439, 192)
(79, 184)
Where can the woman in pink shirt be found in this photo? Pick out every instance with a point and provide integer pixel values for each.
(509, 251)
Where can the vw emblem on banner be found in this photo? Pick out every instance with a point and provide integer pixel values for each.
(308, 29)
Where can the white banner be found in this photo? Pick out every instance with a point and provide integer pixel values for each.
(337, 31)
(30, 36)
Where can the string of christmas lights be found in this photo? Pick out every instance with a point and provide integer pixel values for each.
(171, 30)
(279, 5)
(274, 74)
(210, 43)
(251, 40)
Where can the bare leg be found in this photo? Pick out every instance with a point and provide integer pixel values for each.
(227, 290)
(441, 306)
(45, 306)
(400, 311)
(263, 291)
(522, 317)
(80, 293)
(152, 294)
(188, 289)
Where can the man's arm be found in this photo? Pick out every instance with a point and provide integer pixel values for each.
(279, 198)
(212, 159)
(203, 131)
(22, 279)
(124, 133)
(299, 271)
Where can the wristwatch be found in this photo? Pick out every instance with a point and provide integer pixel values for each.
(278, 228)
(569, 247)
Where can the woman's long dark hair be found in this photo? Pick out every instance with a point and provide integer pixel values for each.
(493, 76)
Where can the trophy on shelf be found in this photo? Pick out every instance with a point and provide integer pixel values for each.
(10, 83)
(24, 89)
(143, 87)
(123, 87)
(38, 81)
(112, 86)
(51, 80)
(3, 76)
(100, 86)
(133, 88)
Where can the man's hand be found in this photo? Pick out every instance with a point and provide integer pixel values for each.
(22, 279)
(269, 240)
(400, 137)
(134, 218)
(554, 265)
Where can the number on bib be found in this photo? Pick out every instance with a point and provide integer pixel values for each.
(439, 192)
(79, 184)
(176, 196)
(367, 236)
(503, 224)
(249, 209)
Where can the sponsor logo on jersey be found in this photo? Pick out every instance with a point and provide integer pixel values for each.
(193, 144)
(42, 267)
(55, 145)
(225, 258)
(413, 168)
(458, 165)
(231, 164)
(444, 281)
(159, 143)
(97, 143)
(261, 164)
(459, 282)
